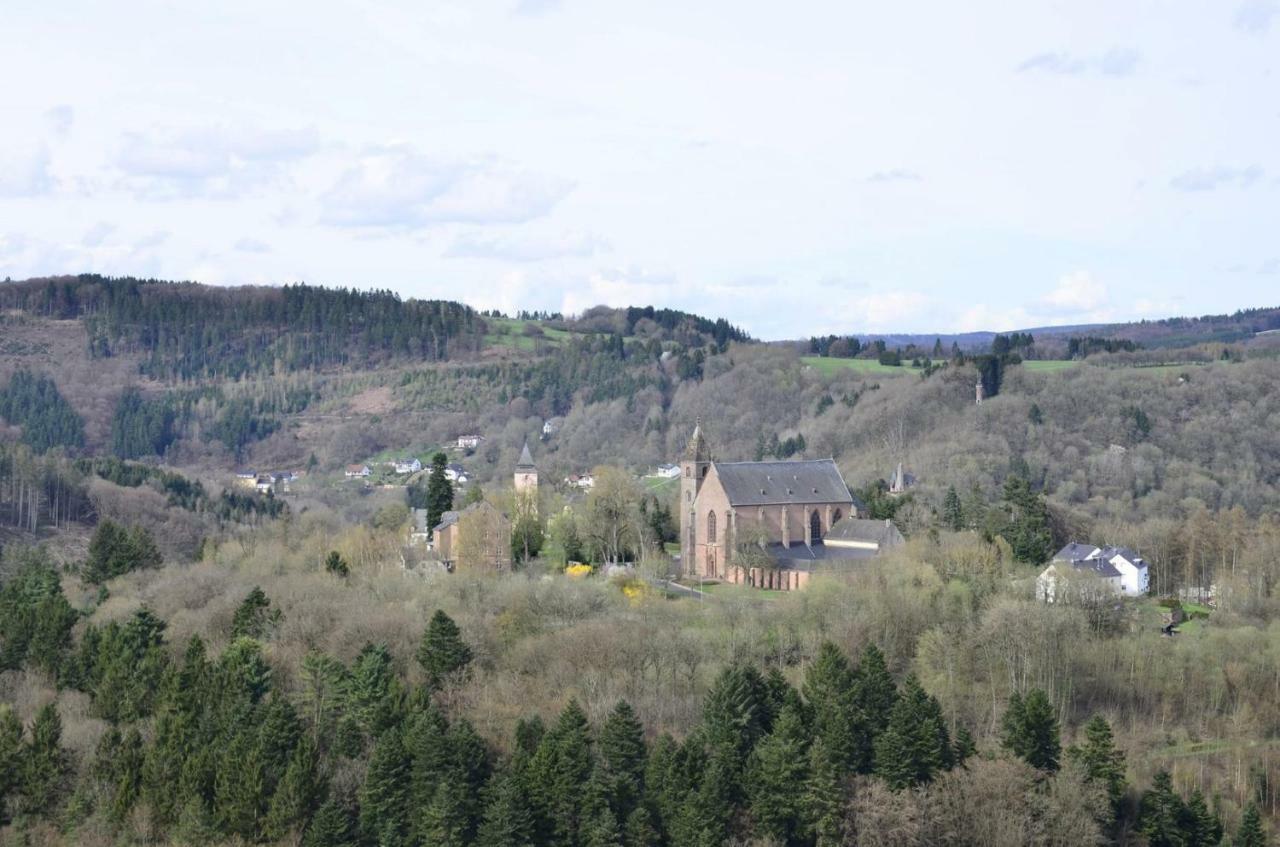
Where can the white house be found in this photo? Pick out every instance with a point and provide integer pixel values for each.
(666, 471)
(456, 474)
(408, 465)
(585, 481)
(357, 470)
(550, 425)
(1117, 570)
(469, 442)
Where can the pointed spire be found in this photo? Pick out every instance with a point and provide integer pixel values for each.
(526, 458)
(697, 450)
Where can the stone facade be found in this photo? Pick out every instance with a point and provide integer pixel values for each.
(763, 502)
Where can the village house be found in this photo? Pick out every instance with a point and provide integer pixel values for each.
(666, 472)
(357, 471)
(409, 465)
(550, 426)
(1085, 567)
(456, 474)
(583, 482)
(469, 442)
(246, 479)
(767, 524)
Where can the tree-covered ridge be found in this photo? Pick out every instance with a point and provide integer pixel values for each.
(33, 402)
(189, 331)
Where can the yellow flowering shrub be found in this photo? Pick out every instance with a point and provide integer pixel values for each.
(577, 570)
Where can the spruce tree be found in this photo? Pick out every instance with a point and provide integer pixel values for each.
(239, 788)
(823, 799)
(445, 821)
(384, 816)
(778, 765)
(1160, 813)
(622, 759)
(1200, 826)
(705, 817)
(439, 490)
(952, 511)
(874, 691)
(1031, 730)
(828, 690)
(1102, 762)
(44, 764)
(508, 820)
(558, 774)
(332, 826)
(914, 746)
(11, 756)
(297, 794)
(1250, 833)
(254, 617)
(964, 747)
(443, 654)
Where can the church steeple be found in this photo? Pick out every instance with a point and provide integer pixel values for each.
(526, 476)
(697, 450)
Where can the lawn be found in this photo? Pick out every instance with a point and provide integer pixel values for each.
(830, 367)
(508, 332)
(659, 485)
(1049, 365)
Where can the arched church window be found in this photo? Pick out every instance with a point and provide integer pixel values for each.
(711, 527)
(815, 526)
(836, 516)
(705, 468)
(688, 471)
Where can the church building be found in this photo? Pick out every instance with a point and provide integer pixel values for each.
(788, 508)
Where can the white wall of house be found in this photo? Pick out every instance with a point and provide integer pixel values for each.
(1134, 578)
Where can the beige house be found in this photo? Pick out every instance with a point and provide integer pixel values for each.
(774, 516)
(478, 536)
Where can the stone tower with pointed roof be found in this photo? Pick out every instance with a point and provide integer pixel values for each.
(694, 465)
(526, 476)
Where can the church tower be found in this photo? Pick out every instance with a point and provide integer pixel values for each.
(526, 477)
(694, 465)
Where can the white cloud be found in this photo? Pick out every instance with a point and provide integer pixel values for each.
(516, 248)
(894, 175)
(1076, 293)
(97, 233)
(25, 172)
(1116, 62)
(208, 161)
(60, 119)
(252, 245)
(1210, 179)
(1255, 16)
(400, 188)
(619, 287)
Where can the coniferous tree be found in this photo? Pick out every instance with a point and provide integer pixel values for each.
(1251, 833)
(336, 565)
(374, 695)
(964, 747)
(1031, 730)
(735, 714)
(705, 817)
(384, 813)
(44, 764)
(558, 774)
(1200, 826)
(298, 793)
(823, 799)
(254, 617)
(1102, 762)
(439, 490)
(874, 691)
(778, 765)
(11, 757)
(622, 760)
(442, 653)
(508, 821)
(240, 784)
(1161, 812)
(915, 745)
(1027, 530)
(952, 511)
(829, 692)
(332, 826)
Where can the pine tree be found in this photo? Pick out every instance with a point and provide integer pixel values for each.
(240, 789)
(964, 747)
(332, 826)
(11, 756)
(779, 763)
(445, 821)
(336, 565)
(640, 829)
(127, 777)
(1160, 813)
(1034, 415)
(914, 746)
(1250, 833)
(375, 695)
(829, 693)
(704, 820)
(823, 799)
(384, 816)
(297, 794)
(952, 511)
(1200, 826)
(442, 653)
(1031, 730)
(508, 821)
(254, 617)
(558, 773)
(622, 759)
(44, 764)
(1102, 762)
(735, 714)
(874, 691)
(439, 490)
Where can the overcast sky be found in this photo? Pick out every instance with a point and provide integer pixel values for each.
(796, 167)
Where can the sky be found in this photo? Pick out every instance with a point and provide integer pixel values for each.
(798, 168)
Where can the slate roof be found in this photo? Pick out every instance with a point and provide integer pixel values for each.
(805, 557)
(1101, 567)
(526, 459)
(447, 520)
(1074, 552)
(1109, 553)
(883, 533)
(773, 483)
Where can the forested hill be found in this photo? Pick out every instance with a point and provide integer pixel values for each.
(187, 330)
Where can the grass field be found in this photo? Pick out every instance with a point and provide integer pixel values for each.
(1049, 365)
(830, 367)
(508, 332)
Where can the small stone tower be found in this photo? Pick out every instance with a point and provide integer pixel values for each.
(694, 465)
(526, 477)
(980, 393)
